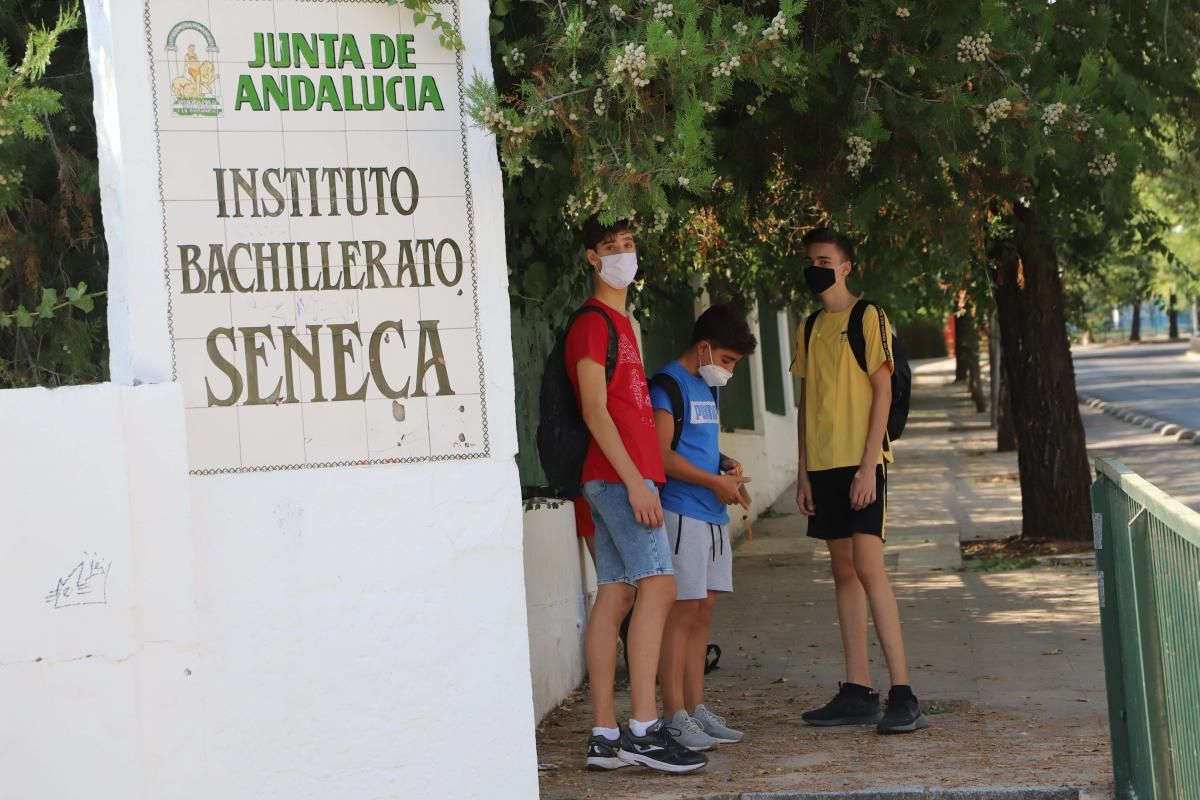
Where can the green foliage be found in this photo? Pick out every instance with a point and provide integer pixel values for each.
(918, 129)
(998, 563)
(49, 205)
(424, 12)
(629, 110)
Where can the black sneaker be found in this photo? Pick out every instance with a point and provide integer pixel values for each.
(853, 705)
(904, 714)
(659, 750)
(603, 753)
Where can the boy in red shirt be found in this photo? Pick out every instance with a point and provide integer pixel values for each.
(621, 475)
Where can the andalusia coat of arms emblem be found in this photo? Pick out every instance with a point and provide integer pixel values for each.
(195, 89)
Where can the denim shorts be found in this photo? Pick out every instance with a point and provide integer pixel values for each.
(626, 550)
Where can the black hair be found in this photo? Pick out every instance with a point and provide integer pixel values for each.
(594, 233)
(726, 328)
(830, 236)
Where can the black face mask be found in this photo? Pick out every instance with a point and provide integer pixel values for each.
(819, 279)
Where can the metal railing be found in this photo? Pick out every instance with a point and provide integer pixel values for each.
(1148, 558)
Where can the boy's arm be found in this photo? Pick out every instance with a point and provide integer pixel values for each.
(862, 490)
(877, 336)
(804, 498)
(801, 433)
(725, 487)
(593, 405)
(881, 403)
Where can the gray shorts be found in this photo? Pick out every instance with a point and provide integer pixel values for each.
(701, 555)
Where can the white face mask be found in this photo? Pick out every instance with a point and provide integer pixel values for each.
(618, 271)
(714, 375)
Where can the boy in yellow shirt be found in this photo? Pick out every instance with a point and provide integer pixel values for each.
(841, 485)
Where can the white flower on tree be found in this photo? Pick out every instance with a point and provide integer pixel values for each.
(859, 155)
(777, 29)
(974, 48)
(630, 63)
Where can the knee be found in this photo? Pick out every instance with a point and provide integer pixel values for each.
(845, 570)
(685, 612)
(625, 603)
(704, 611)
(869, 572)
(658, 590)
(615, 602)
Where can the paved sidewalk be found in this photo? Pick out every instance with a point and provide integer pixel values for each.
(1009, 662)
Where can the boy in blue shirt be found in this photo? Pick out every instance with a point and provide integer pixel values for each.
(701, 482)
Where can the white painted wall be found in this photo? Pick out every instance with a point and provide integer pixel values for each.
(769, 452)
(314, 634)
(93, 473)
(560, 586)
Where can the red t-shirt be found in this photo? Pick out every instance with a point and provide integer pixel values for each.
(628, 395)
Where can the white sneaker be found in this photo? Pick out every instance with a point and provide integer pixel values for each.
(715, 726)
(688, 732)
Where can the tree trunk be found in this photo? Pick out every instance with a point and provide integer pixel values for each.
(1173, 316)
(1006, 436)
(974, 369)
(961, 365)
(1135, 326)
(1052, 450)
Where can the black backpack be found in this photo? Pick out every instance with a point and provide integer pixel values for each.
(671, 386)
(901, 374)
(562, 435)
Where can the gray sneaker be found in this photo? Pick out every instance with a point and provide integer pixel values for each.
(715, 726)
(688, 732)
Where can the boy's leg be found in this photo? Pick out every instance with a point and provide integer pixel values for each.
(852, 610)
(904, 713)
(673, 664)
(655, 596)
(643, 557)
(613, 601)
(697, 652)
(614, 598)
(870, 572)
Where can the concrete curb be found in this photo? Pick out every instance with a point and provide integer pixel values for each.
(915, 793)
(1173, 430)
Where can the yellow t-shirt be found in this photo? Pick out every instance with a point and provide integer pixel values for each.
(837, 392)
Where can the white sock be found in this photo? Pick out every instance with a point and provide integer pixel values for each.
(612, 734)
(640, 728)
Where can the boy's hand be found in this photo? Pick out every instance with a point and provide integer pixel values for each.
(646, 506)
(862, 490)
(804, 496)
(728, 488)
(731, 465)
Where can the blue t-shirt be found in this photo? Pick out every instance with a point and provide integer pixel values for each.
(698, 443)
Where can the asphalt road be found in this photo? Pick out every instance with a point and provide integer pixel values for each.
(1158, 380)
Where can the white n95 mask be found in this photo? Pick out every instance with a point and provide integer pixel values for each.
(618, 271)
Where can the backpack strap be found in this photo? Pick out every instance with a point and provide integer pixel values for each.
(671, 386)
(808, 328)
(858, 340)
(610, 360)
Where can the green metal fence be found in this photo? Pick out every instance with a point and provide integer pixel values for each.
(1148, 557)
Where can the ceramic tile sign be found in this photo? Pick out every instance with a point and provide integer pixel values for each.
(320, 245)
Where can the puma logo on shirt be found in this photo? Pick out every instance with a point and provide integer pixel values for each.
(704, 412)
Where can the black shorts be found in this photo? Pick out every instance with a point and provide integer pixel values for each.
(834, 517)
